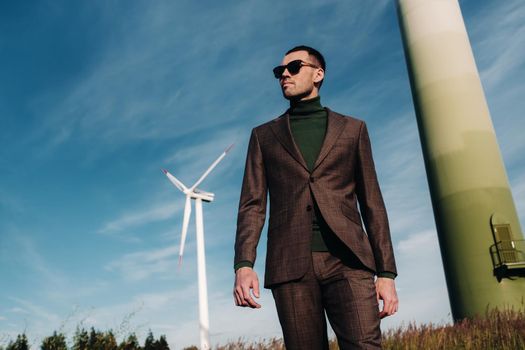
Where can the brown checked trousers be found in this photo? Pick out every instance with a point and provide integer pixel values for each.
(345, 291)
(306, 284)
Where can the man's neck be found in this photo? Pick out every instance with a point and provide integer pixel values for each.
(304, 107)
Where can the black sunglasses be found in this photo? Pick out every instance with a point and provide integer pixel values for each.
(293, 67)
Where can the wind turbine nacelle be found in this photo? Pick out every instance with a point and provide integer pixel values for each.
(205, 196)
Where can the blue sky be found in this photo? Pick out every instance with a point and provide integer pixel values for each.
(97, 97)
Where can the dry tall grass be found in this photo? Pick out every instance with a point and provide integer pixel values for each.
(269, 344)
(501, 330)
(497, 330)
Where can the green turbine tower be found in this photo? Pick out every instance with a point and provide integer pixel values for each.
(479, 232)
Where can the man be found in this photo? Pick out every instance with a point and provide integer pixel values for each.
(316, 165)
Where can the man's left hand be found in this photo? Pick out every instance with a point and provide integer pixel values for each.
(386, 291)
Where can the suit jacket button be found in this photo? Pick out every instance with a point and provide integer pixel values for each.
(308, 207)
(312, 179)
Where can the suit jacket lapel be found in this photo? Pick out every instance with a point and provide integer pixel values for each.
(281, 129)
(334, 128)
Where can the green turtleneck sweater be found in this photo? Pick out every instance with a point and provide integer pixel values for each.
(308, 125)
(308, 120)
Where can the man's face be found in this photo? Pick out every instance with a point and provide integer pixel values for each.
(300, 86)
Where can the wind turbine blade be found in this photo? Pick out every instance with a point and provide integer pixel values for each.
(185, 222)
(211, 167)
(175, 181)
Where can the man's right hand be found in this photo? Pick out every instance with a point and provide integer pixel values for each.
(246, 280)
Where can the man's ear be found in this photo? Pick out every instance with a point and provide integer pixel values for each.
(319, 75)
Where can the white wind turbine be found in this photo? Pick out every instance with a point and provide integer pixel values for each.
(194, 193)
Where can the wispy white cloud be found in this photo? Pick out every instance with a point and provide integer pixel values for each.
(144, 264)
(129, 220)
(418, 245)
(36, 311)
(54, 282)
(421, 282)
(18, 310)
(497, 33)
(189, 162)
(499, 59)
(114, 104)
(29, 255)
(10, 202)
(36, 320)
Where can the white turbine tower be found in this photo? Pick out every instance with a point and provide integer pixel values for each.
(194, 193)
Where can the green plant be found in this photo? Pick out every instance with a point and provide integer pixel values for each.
(54, 342)
(19, 344)
(131, 343)
(80, 340)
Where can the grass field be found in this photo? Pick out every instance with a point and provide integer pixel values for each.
(497, 330)
(503, 330)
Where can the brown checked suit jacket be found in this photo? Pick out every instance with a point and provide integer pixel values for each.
(343, 174)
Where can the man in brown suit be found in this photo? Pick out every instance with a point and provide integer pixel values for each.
(317, 166)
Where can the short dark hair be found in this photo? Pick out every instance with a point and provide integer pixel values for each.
(312, 52)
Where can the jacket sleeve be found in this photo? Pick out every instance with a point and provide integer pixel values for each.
(252, 204)
(372, 206)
